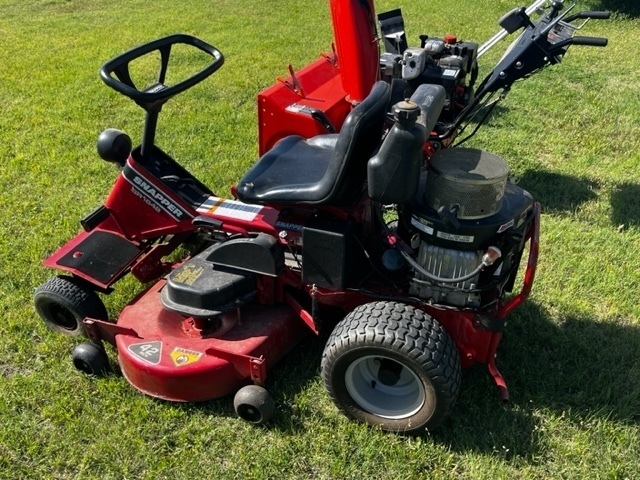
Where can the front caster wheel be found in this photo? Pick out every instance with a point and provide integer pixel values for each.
(64, 302)
(393, 366)
(254, 404)
(91, 359)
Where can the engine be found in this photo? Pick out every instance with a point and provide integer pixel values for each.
(438, 61)
(468, 228)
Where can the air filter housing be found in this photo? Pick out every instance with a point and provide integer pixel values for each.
(467, 180)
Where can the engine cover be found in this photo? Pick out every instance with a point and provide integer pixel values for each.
(476, 234)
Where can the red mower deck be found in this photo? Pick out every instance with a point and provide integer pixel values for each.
(177, 358)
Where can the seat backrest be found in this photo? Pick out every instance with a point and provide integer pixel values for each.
(359, 138)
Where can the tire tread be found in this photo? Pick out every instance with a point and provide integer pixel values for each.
(404, 329)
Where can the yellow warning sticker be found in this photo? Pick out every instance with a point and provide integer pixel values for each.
(183, 356)
(187, 274)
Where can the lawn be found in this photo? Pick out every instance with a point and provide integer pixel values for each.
(571, 352)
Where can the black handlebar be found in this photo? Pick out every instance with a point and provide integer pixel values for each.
(590, 41)
(156, 95)
(562, 45)
(604, 15)
(542, 43)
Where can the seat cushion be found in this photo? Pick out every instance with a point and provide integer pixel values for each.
(291, 172)
(324, 170)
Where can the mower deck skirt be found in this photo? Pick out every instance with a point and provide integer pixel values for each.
(172, 359)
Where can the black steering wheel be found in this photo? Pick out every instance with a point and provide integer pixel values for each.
(115, 73)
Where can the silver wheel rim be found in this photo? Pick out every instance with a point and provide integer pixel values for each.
(401, 400)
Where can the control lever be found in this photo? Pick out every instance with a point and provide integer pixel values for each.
(590, 41)
(515, 20)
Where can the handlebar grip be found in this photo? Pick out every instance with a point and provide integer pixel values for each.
(590, 41)
(597, 15)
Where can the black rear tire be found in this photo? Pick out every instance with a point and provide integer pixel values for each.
(64, 302)
(392, 365)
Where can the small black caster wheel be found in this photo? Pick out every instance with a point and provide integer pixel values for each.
(64, 302)
(254, 404)
(90, 359)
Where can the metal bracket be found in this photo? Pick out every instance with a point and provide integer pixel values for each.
(332, 57)
(246, 365)
(99, 330)
(303, 314)
(294, 84)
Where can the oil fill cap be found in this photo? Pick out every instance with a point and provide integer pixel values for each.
(406, 112)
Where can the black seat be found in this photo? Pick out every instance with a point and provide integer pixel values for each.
(323, 170)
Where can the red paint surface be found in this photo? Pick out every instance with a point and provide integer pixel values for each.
(321, 90)
(262, 331)
(357, 46)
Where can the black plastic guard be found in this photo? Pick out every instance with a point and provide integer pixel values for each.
(260, 254)
(198, 288)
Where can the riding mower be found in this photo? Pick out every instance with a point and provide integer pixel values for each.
(362, 201)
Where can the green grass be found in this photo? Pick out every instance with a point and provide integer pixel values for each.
(572, 135)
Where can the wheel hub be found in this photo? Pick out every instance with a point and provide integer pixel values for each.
(63, 317)
(389, 371)
(384, 387)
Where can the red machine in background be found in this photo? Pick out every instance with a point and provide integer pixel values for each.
(317, 99)
(358, 202)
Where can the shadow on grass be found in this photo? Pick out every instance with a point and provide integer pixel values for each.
(624, 204)
(563, 194)
(625, 7)
(579, 368)
(556, 192)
